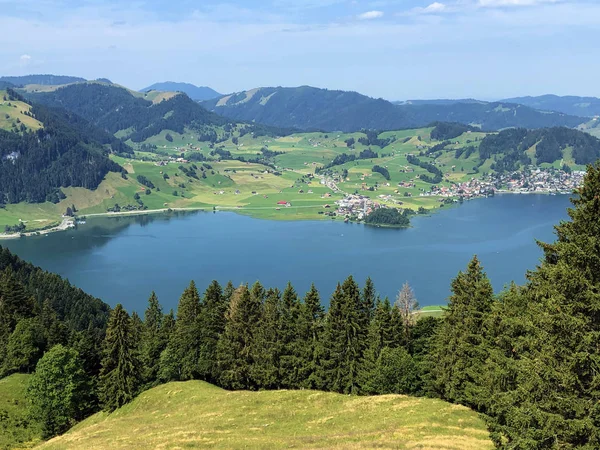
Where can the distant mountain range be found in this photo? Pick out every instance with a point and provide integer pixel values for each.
(44, 80)
(197, 93)
(578, 106)
(310, 108)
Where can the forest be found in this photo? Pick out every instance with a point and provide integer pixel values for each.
(526, 358)
(67, 151)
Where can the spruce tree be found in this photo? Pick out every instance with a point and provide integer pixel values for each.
(235, 347)
(556, 401)
(459, 352)
(120, 374)
(379, 337)
(212, 325)
(311, 322)
(153, 340)
(267, 345)
(291, 345)
(342, 361)
(183, 350)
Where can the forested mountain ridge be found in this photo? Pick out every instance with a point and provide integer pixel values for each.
(310, 108)
(134, 116)
(568, 104)
(43, 80)
(197, 93)
(61, 150)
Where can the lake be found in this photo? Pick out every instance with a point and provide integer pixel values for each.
(122, 259)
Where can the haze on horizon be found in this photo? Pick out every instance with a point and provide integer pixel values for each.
(395, 49)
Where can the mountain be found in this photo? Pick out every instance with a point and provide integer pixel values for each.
(137, 116)
(437, 101)
(197, 93)
(310, 108)
(43, 150)
(44, 80)
(578, 106)
(517, 146)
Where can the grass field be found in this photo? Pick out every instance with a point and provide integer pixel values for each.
(432, 311)
(195, 414)
(16, 430)
(12, 114)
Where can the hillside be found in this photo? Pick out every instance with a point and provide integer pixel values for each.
(42, 80)
(197, 93)
(570, 104)
(311, 108)
(15, 426)
(134, 116)
(195, 414)
(42, 151)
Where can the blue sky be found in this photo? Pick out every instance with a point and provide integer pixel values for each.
(395, 49)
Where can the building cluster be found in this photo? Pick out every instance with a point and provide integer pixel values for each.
(356, 205)
(550, 181)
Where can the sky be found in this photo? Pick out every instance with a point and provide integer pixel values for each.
(394, 49)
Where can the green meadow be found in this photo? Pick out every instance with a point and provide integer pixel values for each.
(195, 414)
(16, 428)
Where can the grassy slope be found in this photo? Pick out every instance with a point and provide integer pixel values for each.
(15, 427)
(15, 110)
(195, 414)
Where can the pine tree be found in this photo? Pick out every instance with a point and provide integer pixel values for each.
(556, 400)
(153, 340)
(291, 346)
(342, 361)
(266, 351)
(311, 324)
(234, 349)
(459, 351)
(55, 331)
(212, 326)
(120, 375)
(379, 337)
(183, 350)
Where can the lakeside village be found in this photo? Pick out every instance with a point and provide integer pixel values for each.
(537, 181)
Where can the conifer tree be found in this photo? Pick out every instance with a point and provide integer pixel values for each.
(407, 305)
(182, 353)
(459, 352)
(267, 345)
(379, 337)
(235, 347)
(212, 325)
(291, 346)
(342, 361)
(120, 375)
(311, 324)
(153, 339)
(556, 400)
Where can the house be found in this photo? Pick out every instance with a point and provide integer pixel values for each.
(282, 202)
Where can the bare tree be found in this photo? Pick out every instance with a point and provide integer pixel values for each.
(407, 303)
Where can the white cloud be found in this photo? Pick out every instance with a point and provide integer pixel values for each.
(500, 3)
(369, 15)
(435, 7)
(25, 59)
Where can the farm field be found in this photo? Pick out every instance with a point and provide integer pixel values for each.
(195, 414)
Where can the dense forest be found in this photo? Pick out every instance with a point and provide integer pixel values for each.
(526, 359)
(389, 217)
(308, 108)
(67, 151)
(568, 104)
(509, 147)
(443, 131)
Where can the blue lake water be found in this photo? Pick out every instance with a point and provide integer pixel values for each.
(122, 259)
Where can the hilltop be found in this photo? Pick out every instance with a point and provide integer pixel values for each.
(197, 93)
(196, 414)
(43, 80)
(569, 104)
(310, 108)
